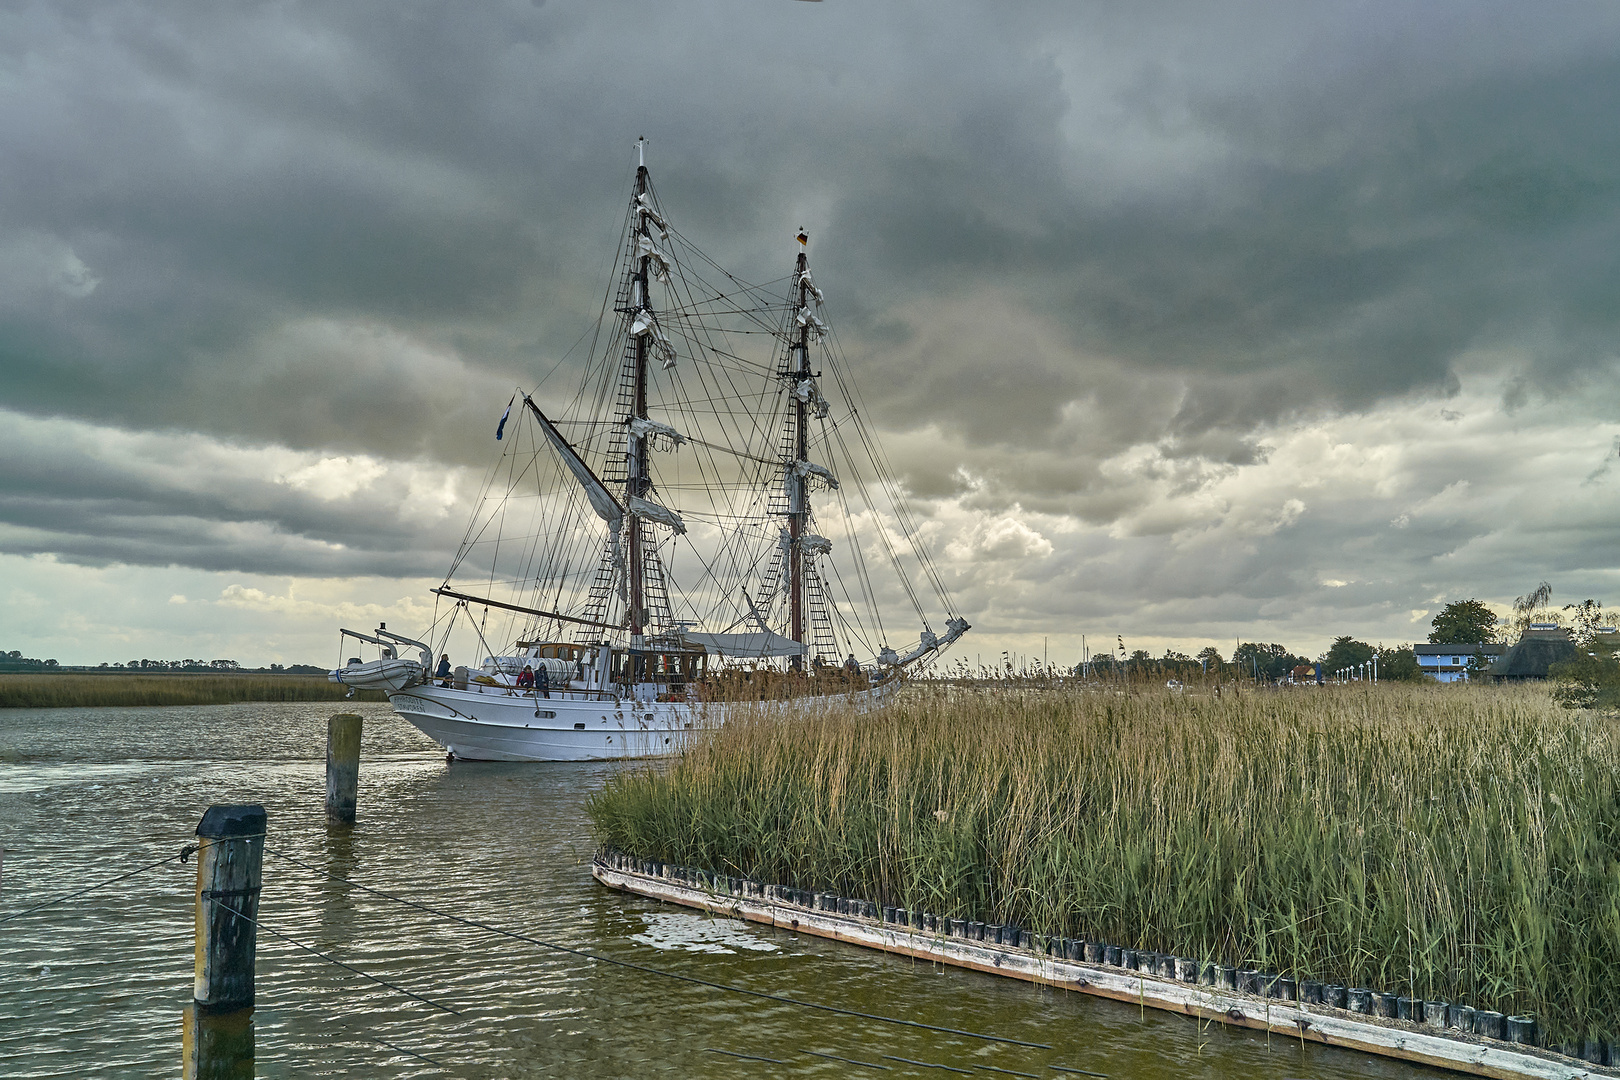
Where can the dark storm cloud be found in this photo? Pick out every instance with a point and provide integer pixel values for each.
(98, 496)
(1052, 232)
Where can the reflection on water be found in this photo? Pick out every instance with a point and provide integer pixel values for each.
(95, 987)
(217, 1047)
(690, 931)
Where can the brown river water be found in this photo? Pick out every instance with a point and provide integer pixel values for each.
(94, 987)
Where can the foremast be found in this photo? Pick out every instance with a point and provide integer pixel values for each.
(637, 480)
(639, 578)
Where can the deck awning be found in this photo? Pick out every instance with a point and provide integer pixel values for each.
(762, 643)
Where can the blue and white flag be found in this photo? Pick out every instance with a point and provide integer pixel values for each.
(500, 428)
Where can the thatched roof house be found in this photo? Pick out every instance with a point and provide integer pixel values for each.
(1540, 647)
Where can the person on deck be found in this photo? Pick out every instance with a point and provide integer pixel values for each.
(443, 673)
(851, 668)
(525, 679)
(542, 681)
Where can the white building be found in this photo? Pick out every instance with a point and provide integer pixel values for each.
(1449, 663)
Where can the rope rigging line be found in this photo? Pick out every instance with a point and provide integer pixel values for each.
(181, 855)
(885, 468)
(396, 1049)
(334, 960)
(648, 969)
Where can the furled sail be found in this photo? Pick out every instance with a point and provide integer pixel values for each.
(803, 279)
(640, 428)
(811, 544)
(808, 392)
(810, 321)
(645, 209)
(653, 512)
(646, 248)
(646, 323)
(808, 469)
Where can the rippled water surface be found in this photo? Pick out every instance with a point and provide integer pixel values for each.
(95, 986)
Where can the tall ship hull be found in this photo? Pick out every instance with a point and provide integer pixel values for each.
(699, 528)
(477, 727)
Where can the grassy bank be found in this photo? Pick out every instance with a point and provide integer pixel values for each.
(83, 690)
(1447, 842)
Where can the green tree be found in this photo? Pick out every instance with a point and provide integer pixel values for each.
(1591, 678)
(1463, 622)
(1585, 618)
(1345, 652)
(1399, 664)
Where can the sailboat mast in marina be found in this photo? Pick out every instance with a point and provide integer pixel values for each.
(705, 520)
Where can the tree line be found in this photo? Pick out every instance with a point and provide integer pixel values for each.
(14, 661)
(1468, 622)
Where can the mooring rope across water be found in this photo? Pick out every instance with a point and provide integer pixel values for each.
(633, 966)
(181, 855)
(334, 960)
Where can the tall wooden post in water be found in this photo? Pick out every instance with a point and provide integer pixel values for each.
(342, 767)
(230, 852)
(218, 1039)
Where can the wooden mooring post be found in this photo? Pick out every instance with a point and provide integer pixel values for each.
(342, 767)
(218, 1035)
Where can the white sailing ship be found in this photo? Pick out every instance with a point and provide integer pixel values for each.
(655, 552)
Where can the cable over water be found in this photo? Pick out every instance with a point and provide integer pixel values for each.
(334, 960)
(75, 894)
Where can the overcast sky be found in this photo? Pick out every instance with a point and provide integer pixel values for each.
(1183, 323)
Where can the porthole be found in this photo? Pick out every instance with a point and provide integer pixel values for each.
(577, 727)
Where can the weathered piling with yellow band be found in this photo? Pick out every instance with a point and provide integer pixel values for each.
(218, 1036)
(230, 854)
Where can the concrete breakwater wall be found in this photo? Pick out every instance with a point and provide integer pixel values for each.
(1441, 1034)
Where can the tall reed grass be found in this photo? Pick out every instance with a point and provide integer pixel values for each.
(1450, 843)
(71, 690)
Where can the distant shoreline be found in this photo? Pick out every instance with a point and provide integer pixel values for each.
(86, 689)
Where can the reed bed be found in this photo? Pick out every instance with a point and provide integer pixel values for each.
(1448, 843)
(90, 690)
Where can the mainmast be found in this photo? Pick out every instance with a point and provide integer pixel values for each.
(797, 471)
